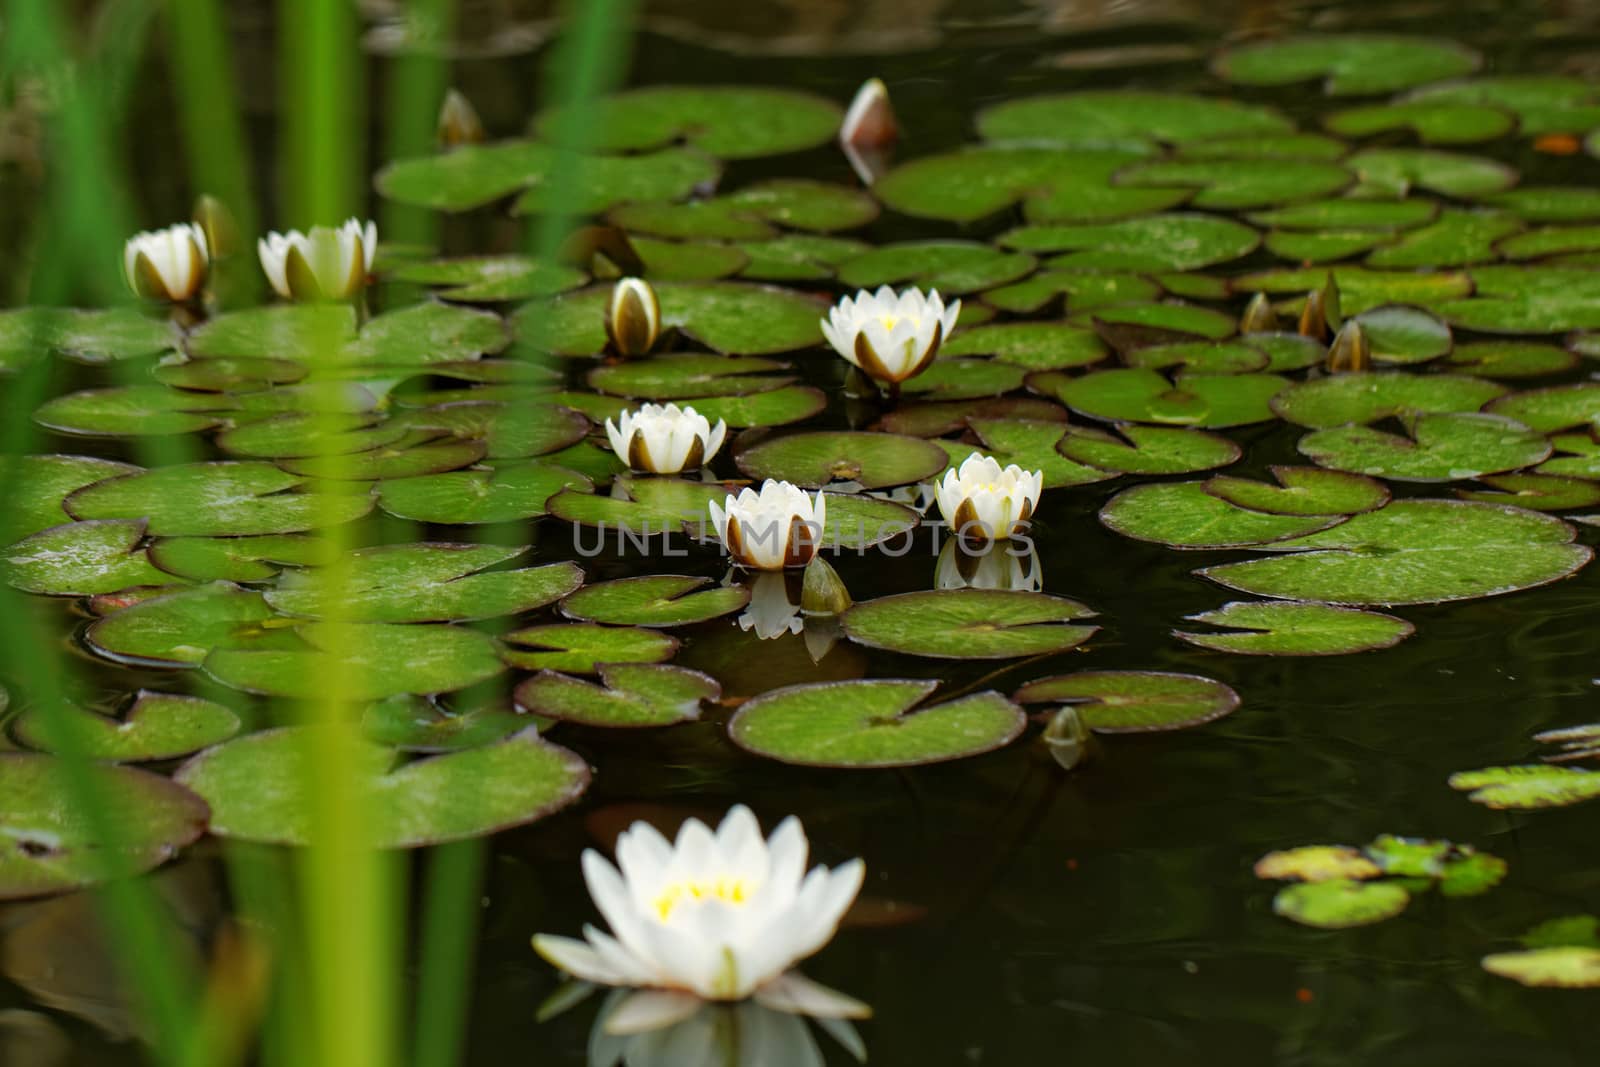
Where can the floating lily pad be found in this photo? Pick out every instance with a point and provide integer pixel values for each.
(1118, 702)
(82, 559)
(628, 695)
(579, 648)
(325, 338)
(221, 374)
(54, 846)
(1528, 300)
(798, 257)
(261, 788)
(506, 493)
(1147, 322)
(1031, 445)
(1302, 491)
(1549, 203)
(36, 486)
(687, 261)
(952, 267)
(1558, 966)
(1364, 398)
(1543, 103)
(1385, 216)
(1404, 334)
(751, 213)
(857, 522)
(1241, 183)
(1288, 351)
(678, 377)
(156, 726)
(1349, 63)
(1511, 359)
(1528, 788)
(731, 121)
(417, 724)
(101, 336)
(371, 660)
(934, 418)
(403, 459)
(1316, 863)
(1541, 492)
(1184, 515)
(475, 175)
(1340, 903)
(775, 407)
(874, 460)
(969, 623)
(130, 411)
(641, 506)
(1433, 121)
(1361, 288)
(874, 723)
(1137, 394)
(179, 629)
(654, 600)
(1289, 628)
(1034, 345)
(294, 436)
(509, 431)
(1324, 246)
(1117, 117)
(1082, 291)
(725, 316)
(1135, 449)
(235, 559)
(965, 379)
(1178, 242)
(1552, 409)
(1202, 357)
(1400, 170)
(217, 500)
(491, 278)
(1414, 552)
(1439, 448)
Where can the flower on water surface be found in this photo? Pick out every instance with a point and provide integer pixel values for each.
(778, 527)
(664, 438)
(325, 264)
(983, 501)
(715, 915)
(633, 317)
(993, 568)
(890, 337)
(169, 264)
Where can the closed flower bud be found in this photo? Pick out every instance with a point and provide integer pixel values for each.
(325, 264)
(169, 264)
(459, 123)
(778, 527)
(1259, 316)
(890, 337)
(984, 502)
(823, 592)
(664, 438)
(633, 317)
(1351, 350)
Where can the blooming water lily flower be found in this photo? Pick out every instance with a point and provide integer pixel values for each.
(715, 915)
(890, 337)
(983, 501)
(325, 264)
(778, 527)
(664, 438)
(169, 264)
(633, 317)
(995, 567)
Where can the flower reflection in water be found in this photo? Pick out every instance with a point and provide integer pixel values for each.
(638, 1029)
(1001, 565)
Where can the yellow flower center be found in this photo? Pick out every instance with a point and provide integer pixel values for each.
(888, 321)
(729, 891)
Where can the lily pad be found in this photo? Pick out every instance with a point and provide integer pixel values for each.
(654, 600)
(1363, 398)
(85, 336)
(156, 726)
(1178, 242)
(1201, 357)
(130, 411)
(641, 506)
(1241, 183)
(952, 267)
(1116, 117)
(813, 460)
(628, 695)
(969, 623)
(1340, 903)
(774, 407)
(1081, 290)
(752, 213)
(505, 493)
(1137, 394)
(1135, 449)
(1404, 334)
(1527, 300)
(1316, 863)
(1439, 448)
(1324, 246)
(1548, 410)
(1184, 515)
(1433, 121)
(686, 376)
(1148, 323)
(260, 787)
(965, 379)
(1385, 216)
(1034, 345)
(1549, 203)
(1511, 359)
(734, 317)
(490, 279)
(1401, 170)
(221, 374)
(1361, 288)
(1414, 552)
(54, 846)
(730, 121)
(418, 724)
(217, 500)
(403, 459)
(82, 559)
(1528, 788)
(1541, 492)
(1302, 491)
(1349, 63)
(180, 629)
(324, 337)
(1559, 967)
(796, 257)
(36, 486)
(1543, 103)
(934, 418)
(680, 261)
(1289, 628)
(1119, 702)
(580, 648)
(509, 431)
(296, 436)
(235, 559)
(1031, 445)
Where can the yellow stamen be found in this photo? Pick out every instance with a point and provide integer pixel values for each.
(734, 891)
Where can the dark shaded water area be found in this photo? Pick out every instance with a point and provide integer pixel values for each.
(1013, 913)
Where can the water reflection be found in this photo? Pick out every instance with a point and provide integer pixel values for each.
(774, 609)
(1001, 565)
(746, 1034)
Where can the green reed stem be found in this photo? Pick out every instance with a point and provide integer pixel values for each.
(415, 89)
(449, 938)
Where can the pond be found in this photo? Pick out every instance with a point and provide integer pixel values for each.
(1293, 307)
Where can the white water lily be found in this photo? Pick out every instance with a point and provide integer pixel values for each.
(169, 264)
(778, 527)
(633, 317)
(770, 612)
(664, 438)
(983, 501)
(890, 337)
(718, 915)
(325, 264)
(995, 567)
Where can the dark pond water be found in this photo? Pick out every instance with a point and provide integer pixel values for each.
(1014, 913)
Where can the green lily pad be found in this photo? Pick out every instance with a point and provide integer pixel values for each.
(1363, 398)
(1136, 394)
(371, 660)
(686, 376)
(1184, 515)
(1414, 552)
(508, 431)
(952, 267)
(1580, 456)
(434, 582)
(1439, 448)
(969, 623)
(1541, 492)
(1340, 903)
(1558, 967)
(1511, 359)
(1316, 863)
(1404, 334)
(1156, 323)
(1034, 345)
(1527, 788)
(261, 787)
(1030, 444)
(813, 460)
(935, 418)
(873, 723)
(490, 279)
(965, 379)
(628, 695)
(156, 726)
(639, 507)
(730, 121)
(235, 559)
(798, 257)
(1241, 183)
(1290, 628)
(1201, 357)
(1527, 300)
(580, 648)
(1386, 216)
(1178, 242)
(687, 261)
(180, 629)
(1400, 170)
(1288, 351)
(1302, 491)
(1268, 146)
(752, 213)
(654, 600)
(734, 317)
(1551, 241)
(296, 436)
(84, 336)
(324, 337)
(1350, 64)
(1082, 291)
(1117, 117)
(54, 846)
(222, 374)
(505, 493)
(217, 500)
(1361, 288)
(1324, 246)
(403, 459)
(82, 559)
(857, 522)
(416, 724)
(1549, 203)
(1556, 408)
(36, 486)
(1118, 702)
(476, 175)
(1433, 121)
(1135, 449)
(775, 407)
(1543, 103)
(130, 411)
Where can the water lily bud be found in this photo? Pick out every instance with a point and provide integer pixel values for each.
(869, 131)
(1351, 350)
(633, 317)
(1321, 312)
(778, 527)
(823, 591)
(983, 502)
(169, 264)
(459, 123)
(1068, 739)
(890, 337)
(1259, 316)
(664, 438)
(220, 227)
(325, 264)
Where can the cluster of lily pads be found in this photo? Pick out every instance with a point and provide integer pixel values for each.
(1141, 276)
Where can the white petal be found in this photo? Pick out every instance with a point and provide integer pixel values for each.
(651, 1009)
(796, 994)
(577, 959)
